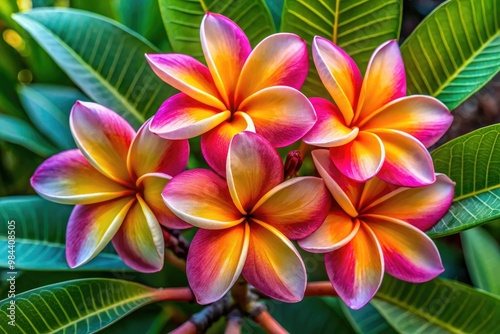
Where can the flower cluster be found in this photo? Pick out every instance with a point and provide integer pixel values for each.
(375, 195)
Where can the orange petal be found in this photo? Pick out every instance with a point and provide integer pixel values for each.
(336, 231)
(339, 73)
(215, 261)
(253, 168)
(273, 265)
(226, 48)
(384, 81)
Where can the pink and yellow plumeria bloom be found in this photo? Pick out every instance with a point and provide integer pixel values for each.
(240, 90)
(375, 227)
(374, 129)
(247, 221)
(115, 179)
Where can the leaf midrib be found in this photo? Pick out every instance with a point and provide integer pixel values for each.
(475, 193)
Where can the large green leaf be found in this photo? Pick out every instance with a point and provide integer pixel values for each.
(473, 162)
(40, 229)
(438, 306)
(276, 9)
(48, 107)
(104, 58)
(454, 51)
(482, 256)
(182, 21)
(79, 306)
(367, 320)
(357, 26)
(17, 131)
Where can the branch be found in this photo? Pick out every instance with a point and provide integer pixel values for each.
(186, 328)
(175, 242)
(319, 289)
(268, 323)
(175, 294)
(234, 320)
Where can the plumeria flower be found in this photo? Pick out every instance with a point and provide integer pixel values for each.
(375, 227)
(240, 90)
(246, 221)
(115, 179)
(374, 129)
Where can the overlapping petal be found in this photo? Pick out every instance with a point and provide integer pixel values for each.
(360, 159)
(104, 138)
(226, 48)
(384, 81)
(282, 114)
(139, 241)
(345, 191)
(356, 269)
(409, 254)
(201, 198)
(215, 143)
(296, 208)
(153, 185)
(92, 226)
(407, 162)
(273, 265)
(420, 207)
(69, 178)
(329, 130)
(182, 117)
(151, 154)
(336, 231)
(340, 75)
(253, 168)
(279, 60)
(215, 261)
(423, 117)
(187, 75)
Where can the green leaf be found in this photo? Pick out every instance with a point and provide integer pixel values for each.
(438, 306)
(473, 162)
(482, 256)
(101, 7)
(182, 21)
(367, 320)
(78, 306)
(48, 107)
(40, 230)
(276, 9)
(17, 131)
(143, 16)
(454, 51)
(357, 26)
(104, 58)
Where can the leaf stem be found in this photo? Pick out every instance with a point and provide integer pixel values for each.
(319, 289)
(175, 294)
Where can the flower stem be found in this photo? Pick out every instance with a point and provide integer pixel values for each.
(319, 289)
(268, 323)
(175, 294)
(186, 328)
(234, 320)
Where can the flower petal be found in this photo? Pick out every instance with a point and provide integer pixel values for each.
(356, 269)
(187, 75)
(407, 161)
(336, 231)
(330, 129)
(273, 265)
(215, 261)
(296, 208)
(69, 178)
(253, 168)
(409, 254)
(153, 185)
(278, 60)
(374, 190)
(181, 117)
(423, 117)
(169, 157)
(226, 48)
(339, 73)
(420, 207)
(104, 138)
(139, 241)
(201, 198)
(345, 191)
(360, 159)
(282, 114)
(215, 144)
(384, 81)
(91, 227)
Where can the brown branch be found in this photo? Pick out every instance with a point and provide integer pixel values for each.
(175, 294)
(319, 289)
(268, 323)
(175, 242)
